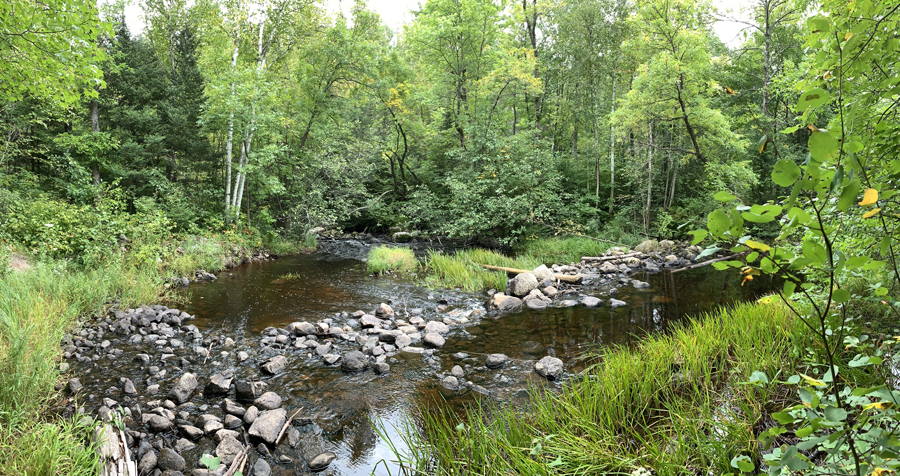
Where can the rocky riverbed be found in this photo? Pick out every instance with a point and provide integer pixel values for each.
(285, 395)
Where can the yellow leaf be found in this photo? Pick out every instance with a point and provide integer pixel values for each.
(757, 245)
(812, 381)
(870, 196)
(826, 75)
(881, 471)
(762, 147)
(729, 90)
(878, 405)
(746, 278)
(871, 213)
(812, 128)
(847, 36)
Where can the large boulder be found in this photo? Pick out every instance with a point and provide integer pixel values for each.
(354, 361)
(591, 302)
(169, 460)
(159, 424)
(542, 273)
(301, 328)
(218, 385)
(647, 246)
(268, 401)
(433, 339)
(503, 303)
(523, 283)
(368, 320)
(184, 388)
(495, 361)
(549, 367)
(275, 365)
(436, 327)
(268, 424)
(229, 448)
(384, 311)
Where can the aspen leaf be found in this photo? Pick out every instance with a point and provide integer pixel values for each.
(871, 213)
(757, 245)
(812, 381)
(812, 98)
(878, 405)
(870, 196)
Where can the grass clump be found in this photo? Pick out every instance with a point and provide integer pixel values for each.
(383, 259)
(562, 250)
(462, 270)
(672, 403)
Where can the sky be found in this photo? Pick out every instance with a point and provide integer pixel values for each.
(395, 13)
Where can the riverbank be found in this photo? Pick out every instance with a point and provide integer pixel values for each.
(42, 300)
(669, 403)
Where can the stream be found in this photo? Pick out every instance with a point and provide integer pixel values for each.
(338, 408)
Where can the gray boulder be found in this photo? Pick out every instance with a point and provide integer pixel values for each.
(268, 401)
(503, 303)
(228, 449)
(433, 339)
(159, 424)
(217, 385)
(523, 283)
(261, 468)
(450, 382)
(169, 460)
(549, 367)
(542, 273)
(436, 327)
(614, 303)
(147, 463)
(321, 461)
(536, 304)
(183, 389)
(354, 361)
(268, 424)
(301, 328)
(384, 311)
(495, 361)
(591, 302)
(275, 365)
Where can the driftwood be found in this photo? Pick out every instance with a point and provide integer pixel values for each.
(239, 461)
(286, 425)
(115, 459)
(707, 262)
(610, 258)
(576, 279)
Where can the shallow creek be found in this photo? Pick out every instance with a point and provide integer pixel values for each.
(340, 407)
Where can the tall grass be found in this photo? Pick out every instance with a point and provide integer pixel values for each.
(37, 308)
(561, 250)
(463, 270)
(382, 259)
(672, 403)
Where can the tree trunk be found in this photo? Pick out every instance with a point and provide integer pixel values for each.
(612, 146)
(95, 128)
(230, 140)
(649, 178)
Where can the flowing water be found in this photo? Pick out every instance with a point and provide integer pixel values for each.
(246, 300)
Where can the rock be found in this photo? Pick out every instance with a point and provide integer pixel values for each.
(75, 385)
(436, 327)
(536, 304)
(247, 391)
(522, 284)
(221, 434)
(275, 365)
(228, 449)
(647, 246)
(220, 471)
(549, 367)
(190, 431)
(169, 460)
(217, 385)
(390, 336)
(301, 328)
(354, 361)
(607, 268)
(550, 291)
(251, 415)
(261, 468)
(183, 445)
(368, 320)
(495, 361)
(242, 356)
(402, 341)
(159, 424)
(212, 426)
(614, 303)
(457, 372)
(148, 463)
(233, 408)
(542, 273)
(182, 390)
(651, 267)
(128, 387)
(503, 303)
(321, 461)
(384, 311)
(232, 422)
(591, 302)
(268, 401)
(331, 359)
(381, 368)
(268, 424)
(433, 339)
(450, 382)
(639, 284)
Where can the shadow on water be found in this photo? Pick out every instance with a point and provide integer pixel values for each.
(248, 299)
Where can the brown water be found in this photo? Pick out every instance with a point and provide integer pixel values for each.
(248, 299)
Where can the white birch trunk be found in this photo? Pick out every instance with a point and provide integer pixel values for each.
(230, 140)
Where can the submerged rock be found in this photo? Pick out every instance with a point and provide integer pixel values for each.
(275, 365)
(321, 461)
(495, 361)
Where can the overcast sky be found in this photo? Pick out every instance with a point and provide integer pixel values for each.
(395, 13)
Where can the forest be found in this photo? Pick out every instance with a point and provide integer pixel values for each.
(229, 128)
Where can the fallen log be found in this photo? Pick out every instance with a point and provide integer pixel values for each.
(576, 279)
(707, 262)
(609, 258)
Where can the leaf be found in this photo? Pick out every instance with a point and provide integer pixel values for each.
(871, 213)
(823, 147)
(699, 235)
(870, 196)
(558, 461)
(757, 245)
(848, 195)
(718, 222)
(788, 289)
(785, 173)
(758, 376)
(812, 99)
(784, 418)
(707, 252)
(835, 414)
(840, 295)
(211, 462)
(812, 381)
(814, 251)
(818, 24)
(762, 147)
(878, 406)
(743, 463)
(837, 179)
(724, 196)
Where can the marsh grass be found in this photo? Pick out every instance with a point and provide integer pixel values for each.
(462, 270)
(671, 403)
(561, 250)
(383, 259)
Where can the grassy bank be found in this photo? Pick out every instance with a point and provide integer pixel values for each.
(672, 403)
(383, 259)
(40, 304)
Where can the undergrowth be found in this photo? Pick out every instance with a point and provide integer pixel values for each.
(671, 403)
(383, 259)
(462, 269)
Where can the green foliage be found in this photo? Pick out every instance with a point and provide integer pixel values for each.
(668, 403)
(463, 269)
(384, 259)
